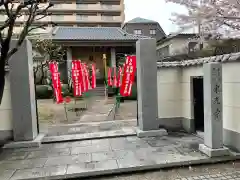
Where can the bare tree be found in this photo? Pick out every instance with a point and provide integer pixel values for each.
(32, 10)
(50, 51)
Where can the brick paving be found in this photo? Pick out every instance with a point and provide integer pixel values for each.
(97, 157)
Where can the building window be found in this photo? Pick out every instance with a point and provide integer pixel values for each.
(57, 17)
(81, 17)
(163, 52)
(107, 18)
(152, 31)
(138, 31)
(81, 6)
(192, 46)
(106, 6)
(57, 6)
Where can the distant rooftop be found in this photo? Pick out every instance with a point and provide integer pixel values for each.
(94, 34)
(140, 20)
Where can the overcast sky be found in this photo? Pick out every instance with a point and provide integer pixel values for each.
(156, 10)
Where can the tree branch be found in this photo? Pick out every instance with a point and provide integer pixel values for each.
(7, 9)
(24, 31)
(37, 27)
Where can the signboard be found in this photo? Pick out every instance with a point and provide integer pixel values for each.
(128, 76)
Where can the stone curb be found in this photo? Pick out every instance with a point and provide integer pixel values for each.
(25, 144)
(89, 136)
(138, 168)
(92, 123)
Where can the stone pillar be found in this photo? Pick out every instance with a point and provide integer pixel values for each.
(213, 118)
(69, 61)
(23, 100)
(113, 57)
(147, 88)
(6, 126)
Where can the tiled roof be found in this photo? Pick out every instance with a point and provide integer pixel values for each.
(200, 61)
(94, 34)
(180, 35)
(140, 20)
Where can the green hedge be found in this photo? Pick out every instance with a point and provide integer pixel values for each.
(65, 90)
(43, 92)
(46, 92)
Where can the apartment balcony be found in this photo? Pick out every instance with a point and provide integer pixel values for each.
(3, 18)
(81, 7)
(71, 19)
(86, 8)
(99, 19)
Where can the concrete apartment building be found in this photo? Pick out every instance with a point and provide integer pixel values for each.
(79, 13)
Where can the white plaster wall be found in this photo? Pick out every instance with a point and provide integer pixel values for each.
(6, 108)
(231, 96)
(186, 86)
(174, 93)
(168, 83)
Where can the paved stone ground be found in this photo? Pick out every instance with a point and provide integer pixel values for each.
(127, 110)
(95, 157)
(94, 120)
(51, 113)
(226, 171)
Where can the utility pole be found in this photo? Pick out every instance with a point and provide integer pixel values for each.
(200, 35)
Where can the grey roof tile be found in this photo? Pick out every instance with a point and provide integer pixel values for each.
(199, 61)
(140, 20)
(94, 34)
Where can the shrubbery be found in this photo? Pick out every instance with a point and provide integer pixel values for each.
(46, 91)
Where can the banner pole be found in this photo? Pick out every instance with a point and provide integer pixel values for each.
(105, 76)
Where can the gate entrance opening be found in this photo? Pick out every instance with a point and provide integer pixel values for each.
(198, 103)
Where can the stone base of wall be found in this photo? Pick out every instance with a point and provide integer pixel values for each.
(231, 139)
(5, 136)
(188, 125)
(176, 124)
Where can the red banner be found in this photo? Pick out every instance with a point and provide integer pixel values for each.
(115, 77)
(76, 78)
(56, 83)
(84, 87)
(93, 76)
(128, 76)
(109, 77)
(119, 77)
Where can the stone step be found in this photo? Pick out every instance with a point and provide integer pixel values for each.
(123, 132)
(86, 127)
